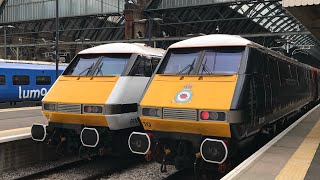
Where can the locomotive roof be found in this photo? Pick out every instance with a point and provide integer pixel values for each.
(18, 64)
(213, 40)
(132, 48)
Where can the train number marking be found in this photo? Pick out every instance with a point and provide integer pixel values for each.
(146, 124)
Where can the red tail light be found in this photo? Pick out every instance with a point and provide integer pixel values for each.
(204, 115)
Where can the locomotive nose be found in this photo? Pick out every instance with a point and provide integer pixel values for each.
(213, 151)
(139, 143)
(89, 137)
(38, 132)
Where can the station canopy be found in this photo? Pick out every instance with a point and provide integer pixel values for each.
(264, 22)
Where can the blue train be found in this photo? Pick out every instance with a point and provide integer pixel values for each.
(26, 80)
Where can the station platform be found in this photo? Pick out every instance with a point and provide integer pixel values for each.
(14, 118)
(15, 123)
(293, 154)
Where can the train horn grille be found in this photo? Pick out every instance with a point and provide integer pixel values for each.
(70, 108)
(186, 114)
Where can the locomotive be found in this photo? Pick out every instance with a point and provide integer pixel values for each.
(93, 104)
(212, 95)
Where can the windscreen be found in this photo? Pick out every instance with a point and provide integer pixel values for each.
(202, 61)
(180, 63)
(98, 65)
(221, 63)
(111, 66)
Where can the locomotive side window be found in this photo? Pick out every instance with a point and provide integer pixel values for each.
(142, 67)
(154, 63)
(20, 80)
(43, 80)
(2, 79)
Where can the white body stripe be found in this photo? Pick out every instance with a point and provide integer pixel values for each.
(122, 121)
(127, 90)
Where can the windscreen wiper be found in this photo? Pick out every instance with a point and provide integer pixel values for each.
(99, 69)
(189, 66)
(86, 70)
(206, 68)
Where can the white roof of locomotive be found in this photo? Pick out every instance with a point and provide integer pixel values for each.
(213, 40)
(132, 48)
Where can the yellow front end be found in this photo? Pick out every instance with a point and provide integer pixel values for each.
(79, 90)
(206, 93)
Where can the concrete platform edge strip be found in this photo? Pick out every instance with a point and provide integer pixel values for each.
(249, 161)
(15, 137)
(19, 109)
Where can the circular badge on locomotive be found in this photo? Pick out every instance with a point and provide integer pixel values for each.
(183, 96)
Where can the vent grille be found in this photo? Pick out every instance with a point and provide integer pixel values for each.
(186, 114)
(70, 108)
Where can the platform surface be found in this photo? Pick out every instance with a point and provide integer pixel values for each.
(15, 123)
(293, 154)
(20, 117)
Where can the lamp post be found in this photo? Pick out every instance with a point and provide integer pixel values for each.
(82, 40)
(150, 21)
(5, 38)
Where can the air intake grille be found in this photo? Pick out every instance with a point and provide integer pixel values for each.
(70, 108)
(186, 114)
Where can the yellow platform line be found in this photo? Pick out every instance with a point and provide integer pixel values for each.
(15, 131)
(299, 163)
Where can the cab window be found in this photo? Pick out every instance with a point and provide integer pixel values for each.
(2, 80)
(82, 66)
(142, 67)
(111, 66)
(180, 62)
(98, 65)
(221, 62)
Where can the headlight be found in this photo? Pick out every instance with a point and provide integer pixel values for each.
(49, 106)
(151, 112)
(212, 115)
(92, 109)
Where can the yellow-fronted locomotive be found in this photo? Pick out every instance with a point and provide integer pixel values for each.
(94, 102)
(213, 94)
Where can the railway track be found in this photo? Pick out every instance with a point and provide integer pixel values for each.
(52, 170)
(96, 168)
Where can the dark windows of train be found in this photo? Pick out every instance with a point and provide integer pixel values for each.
(221, 62)
(112, 65)
(142, 67)
(43, 80)
(20, 80)
(2, 80)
